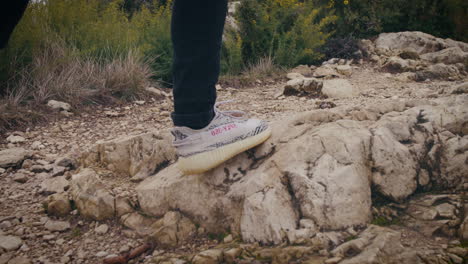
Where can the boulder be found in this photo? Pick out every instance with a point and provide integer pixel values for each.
(339, 88)
(90, 195)
(319, 166)
(13, 157)
(421, 43)
(139, 156)
(263, 202)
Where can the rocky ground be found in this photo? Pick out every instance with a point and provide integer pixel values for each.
(368, 163)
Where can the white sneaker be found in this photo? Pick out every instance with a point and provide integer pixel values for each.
(228, 134)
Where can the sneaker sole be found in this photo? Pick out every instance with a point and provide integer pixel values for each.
(206, 161)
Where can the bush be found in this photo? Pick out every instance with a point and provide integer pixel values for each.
(364, 18)
(289, 31)
(60, 73)
(153, 27)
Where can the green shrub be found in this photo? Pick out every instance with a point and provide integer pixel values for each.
(153, 27)
(231, 53)
(364, 18)
(289, 31)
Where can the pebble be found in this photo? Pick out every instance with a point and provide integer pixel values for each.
(57, 225)
(101, 254)
(20, 177)
(102, 229)
(228, 239)
(10, 243)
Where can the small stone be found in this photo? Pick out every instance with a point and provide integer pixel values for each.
(113, 113)
(140, 102)
(446, 210)
(218, 87)
(294, 75)
(60, 226)
(101, 254)
(5, 224)
(54, 185)
(10, 243)
(210, 256)
(455, 259)
(19, 260)
(232, 254)
(459, 251)
(48, 237)
(65, 259)
(58, 204)
(344, 70)
(58, 171)
(102, 229)
(66, 162)
(333, 260)
(13, 157)
(4, 258)
(20, 177)
(37, 145)
(37, 168)
(125, 248)
(15, 139)
(228, 239)
(59, 105)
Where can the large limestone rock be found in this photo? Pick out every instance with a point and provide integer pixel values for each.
(13, 157)
(339, 88)
(172, 229)
(320, 166)
(447, 56)
(90, 195)
(137, 156)
(416, 41)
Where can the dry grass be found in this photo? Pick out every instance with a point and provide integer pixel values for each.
(59, 73)
(264, 68)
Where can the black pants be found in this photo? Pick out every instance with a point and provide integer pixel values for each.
(197, 29)
(10, 14)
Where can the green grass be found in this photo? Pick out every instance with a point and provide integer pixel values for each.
(382, 221)
(351, 238)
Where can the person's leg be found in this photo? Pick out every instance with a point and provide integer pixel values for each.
(10, 15)
(197, 29)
